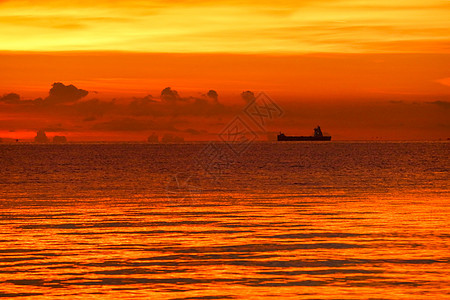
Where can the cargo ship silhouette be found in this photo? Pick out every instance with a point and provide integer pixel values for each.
(318, 136)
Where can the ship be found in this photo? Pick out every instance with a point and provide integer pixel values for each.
(318, 136)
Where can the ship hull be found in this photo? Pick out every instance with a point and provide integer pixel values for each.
(303, 138)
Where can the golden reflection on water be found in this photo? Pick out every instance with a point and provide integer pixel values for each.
(238, 246)
(285, 221)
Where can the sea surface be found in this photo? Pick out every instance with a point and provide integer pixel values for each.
(301, 220)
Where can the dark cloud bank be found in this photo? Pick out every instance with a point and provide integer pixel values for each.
(170, 116)
(167, 114)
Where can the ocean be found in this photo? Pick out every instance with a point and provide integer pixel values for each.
(300, 220)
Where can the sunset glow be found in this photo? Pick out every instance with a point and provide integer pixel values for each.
(324, 54)
(224, 149)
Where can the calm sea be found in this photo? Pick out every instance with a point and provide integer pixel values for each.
(338, 220)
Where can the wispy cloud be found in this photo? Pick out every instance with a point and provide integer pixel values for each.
(226, 26)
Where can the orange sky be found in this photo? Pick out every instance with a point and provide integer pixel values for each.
(339, 59)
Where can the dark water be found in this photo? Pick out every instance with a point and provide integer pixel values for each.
(282, 220)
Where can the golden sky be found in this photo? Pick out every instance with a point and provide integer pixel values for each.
(226, 26)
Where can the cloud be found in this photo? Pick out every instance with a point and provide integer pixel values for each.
(41, 137)
(59, 139)
(170, 138)
(169, 95)
(213, 95)
(248, 96)
(142, 106)
(55, 128)
(62, 111)
(194, 131)
(174, 105)
(89, 119)
(125, 124)
(146, 99)
(60, 93)
(93, 108)
(153, 138)
(11, 98)
(442, 104)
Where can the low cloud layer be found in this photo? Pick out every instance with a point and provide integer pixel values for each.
(442, 104)
(171, 113)
(66, 110)
(172, 104)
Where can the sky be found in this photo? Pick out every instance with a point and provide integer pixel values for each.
(96, 70)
